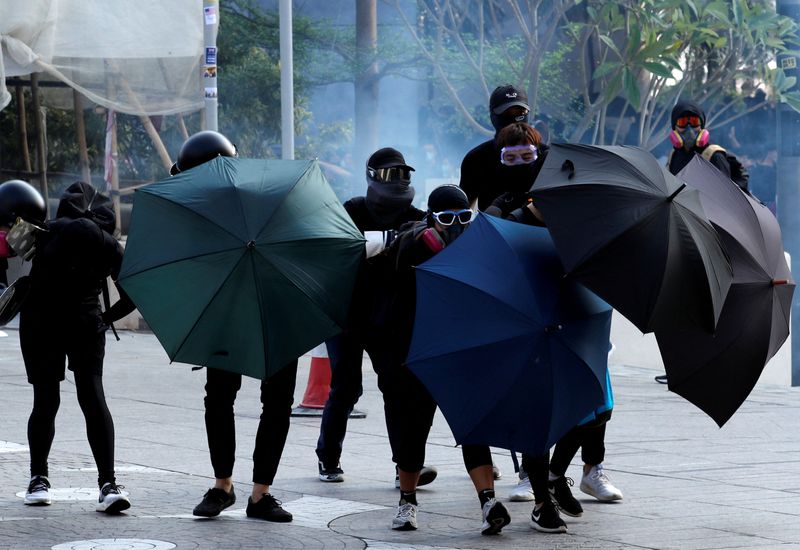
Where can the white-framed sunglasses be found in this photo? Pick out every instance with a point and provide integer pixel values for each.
(449, 217)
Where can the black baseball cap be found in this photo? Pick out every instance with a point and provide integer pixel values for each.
(507, 96)
(387, 158)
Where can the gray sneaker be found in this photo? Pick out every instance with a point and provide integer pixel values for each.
(406, 518)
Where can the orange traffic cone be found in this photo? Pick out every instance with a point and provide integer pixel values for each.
(318, 386)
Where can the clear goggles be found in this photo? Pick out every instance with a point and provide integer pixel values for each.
(518, 154)
(449, 217)
(394, 173)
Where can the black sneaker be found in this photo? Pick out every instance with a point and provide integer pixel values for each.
(112, 500)
(214, 502)
(268, 508)
(562, 496)
(335, 474)
(426, 475)
(495, 517)
(547, 520)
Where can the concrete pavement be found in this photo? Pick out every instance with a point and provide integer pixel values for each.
(687, 483)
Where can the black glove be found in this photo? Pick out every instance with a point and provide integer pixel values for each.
(509, 201)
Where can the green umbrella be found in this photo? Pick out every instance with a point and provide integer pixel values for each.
(241, 264)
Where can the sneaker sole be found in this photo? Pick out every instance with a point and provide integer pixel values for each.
(277, 519)
(407, 526)
(115, 507)
(425, 478)
(331, 479)
(562, 529)
(39, 502)
(496, 525)
(588, 491)
(527, 497)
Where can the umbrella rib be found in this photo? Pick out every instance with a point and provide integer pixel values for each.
(194, 212)
(170, 262)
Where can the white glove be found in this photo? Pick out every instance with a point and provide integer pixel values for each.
(377, 241)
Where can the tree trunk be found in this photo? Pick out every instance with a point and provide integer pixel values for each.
(366, 81)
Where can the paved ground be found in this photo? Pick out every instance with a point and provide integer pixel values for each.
(687, 484)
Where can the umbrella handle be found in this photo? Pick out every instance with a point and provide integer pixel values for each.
(568, 166)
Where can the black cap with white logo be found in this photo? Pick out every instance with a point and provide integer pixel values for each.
(505, 97)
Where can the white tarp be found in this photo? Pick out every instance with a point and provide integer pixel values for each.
(137, 57)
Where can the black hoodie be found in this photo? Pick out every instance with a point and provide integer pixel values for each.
(680, 157)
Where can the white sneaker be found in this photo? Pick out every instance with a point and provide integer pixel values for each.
(38, 493)
(523, 492)
(597, 484)
(112, 500)
(406, 518)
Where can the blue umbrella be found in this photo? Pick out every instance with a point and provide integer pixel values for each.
(514, 353)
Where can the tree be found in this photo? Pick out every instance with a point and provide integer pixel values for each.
(652, 52)
(612, 57)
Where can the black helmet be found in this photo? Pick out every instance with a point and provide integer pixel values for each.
(19, 199)
(202, 147)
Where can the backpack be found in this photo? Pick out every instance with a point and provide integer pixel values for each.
(739, 174)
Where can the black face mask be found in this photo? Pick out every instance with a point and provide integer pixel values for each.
(519, 178)
(387, 201)
(452, 232)
(503, 119)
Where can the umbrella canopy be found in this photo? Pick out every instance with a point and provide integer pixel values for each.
(514, 353)
(717, 371)
(241, 264)
(634, 234)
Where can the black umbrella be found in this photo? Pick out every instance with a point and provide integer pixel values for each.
(634, 234)
(717, 371)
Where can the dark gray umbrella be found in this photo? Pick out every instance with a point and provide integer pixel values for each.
(634, 234)
(717, 371)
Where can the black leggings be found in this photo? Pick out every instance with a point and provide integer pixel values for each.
(476, 456)
(277, 395)
(99, 424)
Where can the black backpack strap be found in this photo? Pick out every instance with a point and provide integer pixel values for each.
(107, 306)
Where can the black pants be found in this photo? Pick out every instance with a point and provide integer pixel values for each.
(99, 424)
(277, 394)
(589, 438)
(407, 405)
(346, 352)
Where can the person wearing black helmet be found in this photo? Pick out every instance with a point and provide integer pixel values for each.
(408, 406)
(221, 389)
(484, 177)
(18, 200)
(378, 214)
(202, 147)
(61, 322)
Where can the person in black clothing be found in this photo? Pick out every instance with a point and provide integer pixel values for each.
(689, 137)
(61, 321)
(277, 394)
(408, 405)
(541, 479)
(386, 207)
(483, 175)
